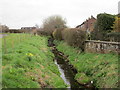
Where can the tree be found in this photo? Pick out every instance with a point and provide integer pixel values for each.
(103, 25)
(116, 25)
(4, 28)
(53, 22)
(57, 34)
(104, 22)
(115, 34)
(37, 26)
(74, 37)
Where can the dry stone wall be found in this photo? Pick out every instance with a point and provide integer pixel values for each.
(93, 46)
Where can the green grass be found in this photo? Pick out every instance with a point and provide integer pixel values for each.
(0, 63)
(28, 63)
(100, 68)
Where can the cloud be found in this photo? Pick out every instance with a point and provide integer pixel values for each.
(119, 7)
(18, 13)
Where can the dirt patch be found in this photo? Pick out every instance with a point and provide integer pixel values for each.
(44, 49)
(37, 76)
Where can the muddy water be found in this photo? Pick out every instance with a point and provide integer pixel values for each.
(66, 73)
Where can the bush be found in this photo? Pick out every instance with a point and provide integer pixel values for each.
(104, 22)
(74, 37)
(116, 26)
(42, 32)
(57, 34)
(98, 35)
(114, 36)
(103, 26)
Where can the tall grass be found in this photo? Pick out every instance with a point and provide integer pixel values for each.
(0, 63)
(102, 69)
(28, 63)
(12, 40)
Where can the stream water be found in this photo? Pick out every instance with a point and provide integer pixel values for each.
(62, 74)
(67, 72)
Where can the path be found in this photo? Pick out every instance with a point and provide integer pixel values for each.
(2, 35)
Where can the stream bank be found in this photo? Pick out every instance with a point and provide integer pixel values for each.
(102, 69)
(67, 70)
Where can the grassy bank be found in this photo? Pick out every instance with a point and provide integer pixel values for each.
(28, 63)
(100, 68)
(0, 63)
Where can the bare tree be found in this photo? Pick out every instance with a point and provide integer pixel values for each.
(37, 26)
(3, 28)
(53, 22)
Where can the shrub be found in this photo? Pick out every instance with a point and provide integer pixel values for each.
(104, 22)
(98, 35)
(57, 34)
(116, 25)
(113, 36)
(74, 37)
(103, 26)
(42, 32)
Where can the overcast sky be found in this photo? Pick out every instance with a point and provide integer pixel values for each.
(21, 13)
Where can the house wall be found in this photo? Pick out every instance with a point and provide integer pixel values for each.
(88, 24)
(102, 46)
(91, 24)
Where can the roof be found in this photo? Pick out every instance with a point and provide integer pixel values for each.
(86, 21)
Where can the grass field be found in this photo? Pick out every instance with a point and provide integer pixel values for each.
(0, 63)
(102, 69)
(28, 63)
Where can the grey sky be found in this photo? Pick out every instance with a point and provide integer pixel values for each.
(119, 7)
(20, 13)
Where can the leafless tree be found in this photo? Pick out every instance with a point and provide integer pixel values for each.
(53, 22)
(4, 28)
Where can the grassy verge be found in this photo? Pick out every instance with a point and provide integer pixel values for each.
(0, 63)
(28, 63)
(102, 69)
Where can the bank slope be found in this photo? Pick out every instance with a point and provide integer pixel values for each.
(28, 63)
(102, 69)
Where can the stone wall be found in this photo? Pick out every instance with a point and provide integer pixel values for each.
(93, 46)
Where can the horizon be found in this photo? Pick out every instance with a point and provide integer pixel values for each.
(21, 13)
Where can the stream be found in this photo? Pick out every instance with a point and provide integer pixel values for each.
(66, 70)
(66, 73)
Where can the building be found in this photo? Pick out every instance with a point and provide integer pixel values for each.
(87, 25)
(28, 28)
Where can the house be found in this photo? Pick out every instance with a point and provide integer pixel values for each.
(87, 25)
(28, 28)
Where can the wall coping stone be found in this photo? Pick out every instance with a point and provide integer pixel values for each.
(106, 42)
